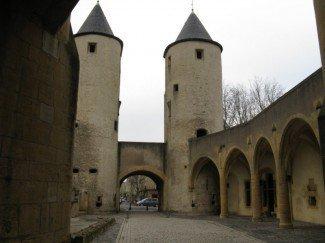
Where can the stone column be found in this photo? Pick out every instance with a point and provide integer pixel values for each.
(320, 19)
(256, 196)
(283, 211)
(223, 195)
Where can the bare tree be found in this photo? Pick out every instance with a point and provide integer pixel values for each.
(264, 92)
(241, 104)
(137, 183)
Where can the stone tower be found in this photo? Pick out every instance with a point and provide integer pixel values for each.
(96, 136)
(193, 102)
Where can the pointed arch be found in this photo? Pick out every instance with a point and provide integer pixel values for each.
(300, 159)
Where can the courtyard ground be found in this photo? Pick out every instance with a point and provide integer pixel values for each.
(142, 226)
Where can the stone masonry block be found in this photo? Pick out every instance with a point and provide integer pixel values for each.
(42, 154)
(52, 192)
(47, 113)
(36, 131)
(8, 100)
(65, 173)
(55, 216)
(18, 46)
(16, 170)
(29, 85)
(63, 157)
(61, 139)
(9, 221)
(29, 219)
(32, 34)
(45, 94)
(40, 238)
(10, 80)
(62, 120)
(45, 217)
(44, 172)
(64, 192)
(6, 126)
(29, 107)
(27, 192)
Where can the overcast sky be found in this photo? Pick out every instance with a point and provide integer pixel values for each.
(273, 39)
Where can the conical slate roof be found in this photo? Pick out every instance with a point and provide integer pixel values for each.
(96, 22)
(193, 29)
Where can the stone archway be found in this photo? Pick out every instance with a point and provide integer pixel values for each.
(303, 167)
(205, 187)
(237, 171)
(265, 175)
(158, 177)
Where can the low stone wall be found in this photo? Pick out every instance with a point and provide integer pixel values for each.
(89, 233)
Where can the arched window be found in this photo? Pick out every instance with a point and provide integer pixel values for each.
(201, 132)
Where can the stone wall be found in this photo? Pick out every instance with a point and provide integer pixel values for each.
(144, 159)
(134, 156)
(206, 198)
(286, 125)
(38, 87)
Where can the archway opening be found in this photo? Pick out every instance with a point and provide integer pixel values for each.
(141, 191)
(265, 166)
(300, 155)
(206, 184)
(238, 184)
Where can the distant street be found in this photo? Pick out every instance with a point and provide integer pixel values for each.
(125, 207)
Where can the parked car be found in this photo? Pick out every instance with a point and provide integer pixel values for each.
(150, 202)
(140, 202)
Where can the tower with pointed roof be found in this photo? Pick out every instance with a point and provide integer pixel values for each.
(96, 133)
(193, 108)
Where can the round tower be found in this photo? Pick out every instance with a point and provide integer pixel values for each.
(96, 133)
(193, 102)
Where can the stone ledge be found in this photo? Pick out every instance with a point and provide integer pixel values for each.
(90, 232)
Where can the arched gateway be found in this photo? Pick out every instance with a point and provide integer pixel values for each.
(142, 159)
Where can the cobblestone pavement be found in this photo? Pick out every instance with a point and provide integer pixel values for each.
(156, 227)
(268, 230)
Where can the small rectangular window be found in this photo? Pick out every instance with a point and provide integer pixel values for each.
(115, 125)
(169, 63)
(92, 47)
(169, 105)
(199, 53)
(312, 201)
(201, 132)
(99, 202)
(248, 193)
(175, 87)
(92, 170)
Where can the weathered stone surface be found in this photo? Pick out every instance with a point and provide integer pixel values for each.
(95, 144)
(29, 170)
